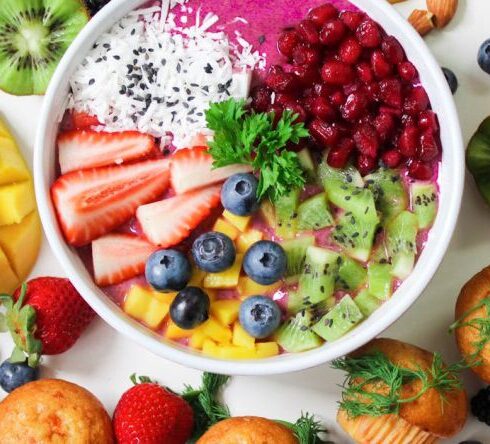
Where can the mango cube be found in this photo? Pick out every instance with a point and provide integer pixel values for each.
(175, 332)
(225, 311)
(8, 279)
(157, 310)
(241, 338)
(197, 340)
(144, 305)
(247, 239)
(16, 201)
(12, 165)
(266, 349)
(227, 278)
(136, 302)
(217, 332)
(225, 227)
(240, 222)
(227, 351)
(196, 277)
(247, 287)
(210, 348)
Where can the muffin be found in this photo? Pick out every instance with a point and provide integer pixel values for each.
(470, 309)
(248, 430)
(424, 420)
(53, 411)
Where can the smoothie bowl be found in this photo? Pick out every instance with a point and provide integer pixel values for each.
(245, 189)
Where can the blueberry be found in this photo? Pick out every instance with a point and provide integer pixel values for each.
(265, 262)
(239, 194)
(15, 375)
(168, 270)
(259, 316)
(190, 308)
(484, 56)
(213, 252)
(451, 78)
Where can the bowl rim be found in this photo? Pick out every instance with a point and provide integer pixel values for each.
(106, 309)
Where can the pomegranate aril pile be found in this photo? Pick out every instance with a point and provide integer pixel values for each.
(354, 88)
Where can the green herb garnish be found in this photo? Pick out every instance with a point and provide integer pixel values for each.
(307, 429)
(250, 138)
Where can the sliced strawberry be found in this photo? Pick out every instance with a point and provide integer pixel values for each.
(81, 120)
(192, 168)
(82, 149)
(170, 221)
(91, 203)
(118, 257)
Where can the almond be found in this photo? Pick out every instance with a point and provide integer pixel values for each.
(443, 10)
(422, 21)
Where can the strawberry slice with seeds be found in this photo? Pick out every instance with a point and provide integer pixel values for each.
(81, 120)
(118, 257)
(91, 203)
(170, 221)
(192, 168)
(81, 149)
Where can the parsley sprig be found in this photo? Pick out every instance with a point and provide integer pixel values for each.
(250, 138)
(307, 429)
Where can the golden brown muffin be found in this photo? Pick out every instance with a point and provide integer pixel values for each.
(420, 421)
(248, 430)
(473, 292)
(52, 411)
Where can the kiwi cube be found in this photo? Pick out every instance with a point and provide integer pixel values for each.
(366, 302)
(295, 250)
(380, 280)
(401, 243)
(307, 164)
(287, 214)
(296, 335)
(351, 274)
(424, 202)
(314, 214)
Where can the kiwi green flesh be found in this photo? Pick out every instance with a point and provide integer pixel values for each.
(380, 280)
(424, 201)
(307, 164)
(314, 214)
(296, 335)
(295, 250)
(287, 214)
(34, 35)
(351, 275)
(366, 302)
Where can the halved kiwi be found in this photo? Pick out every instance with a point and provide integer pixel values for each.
(34, 35)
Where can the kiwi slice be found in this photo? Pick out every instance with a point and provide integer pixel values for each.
(380, 280)
(366, 302)
(296, 335)
(34, 35)
(267, 213)
(351, 275)
(424, 201)
(287, 214)
(333, 177)
(314, 214)
(295, 252)
(307, 164)
(478, 158)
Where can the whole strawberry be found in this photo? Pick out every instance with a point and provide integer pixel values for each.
(150, 414)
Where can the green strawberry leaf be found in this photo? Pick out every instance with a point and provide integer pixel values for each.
(17, 356)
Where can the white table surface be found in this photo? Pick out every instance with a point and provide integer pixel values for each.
(102, 360)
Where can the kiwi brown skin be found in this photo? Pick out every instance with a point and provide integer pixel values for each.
(472, 293)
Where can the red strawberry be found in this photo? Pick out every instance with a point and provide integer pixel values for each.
(193, 168)
(81, 149)
(91, 203)
(170, 221)
(81, 120)
(48, 317)
(118, 257)
(149, 414)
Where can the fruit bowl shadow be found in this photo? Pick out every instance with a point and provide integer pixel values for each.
(451, 177)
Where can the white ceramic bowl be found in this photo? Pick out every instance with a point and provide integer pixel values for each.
(450, 180)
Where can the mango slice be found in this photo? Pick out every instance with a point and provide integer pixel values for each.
(12, 165)
(8, 279)
(16, 201)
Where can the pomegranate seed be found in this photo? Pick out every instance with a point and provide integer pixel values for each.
(364, 72)
(337, 73)
(306, 74)
(320, 107)
(305, 55)
(322, 90)
(408, 141)
(352, 19)
(381, 67)
(428, 121)
(324, 133)
(408, 120)
(392, 50)
(308, 31)
(385, 125)
(287, 41)
(350, 51)
(339, 156)
(419, 170)
(368, 34)
(365, 164)
(373, 91)
(355, 105)
(296, 108)
(366, 139)
(391, 158)
(280, 81)
(390, 92)
(322, 14)
(428, 149)
(417, 101)
(407, 71)
(332, 32)
(394, 112)
(282, 99)
(261, 98)
(337, 98)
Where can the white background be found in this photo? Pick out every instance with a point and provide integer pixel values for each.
(103, 360)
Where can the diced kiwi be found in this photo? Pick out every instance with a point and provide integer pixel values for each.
(339, 320)
(34, 35)
(316, 283)
(307, 164)
(314, 214)
(401, 243)
(287, 214)
(268, 214)
(478, 158)
(296, 335)
(295, 252)
(389, 192)
(366, 302)
(351, 274)
(424, 202)
(334, 177)
(380, 280)
(379, 254)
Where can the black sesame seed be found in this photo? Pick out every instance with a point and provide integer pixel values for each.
(262, 39)
(91, 81)
(116, 57)
(208, 69)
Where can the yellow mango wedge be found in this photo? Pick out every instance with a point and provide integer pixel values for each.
(12, 166)
(16, 201)
(8, 279)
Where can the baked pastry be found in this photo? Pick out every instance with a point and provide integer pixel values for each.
(432, 413)
(53, 411)
(248, 430)
(472, 311)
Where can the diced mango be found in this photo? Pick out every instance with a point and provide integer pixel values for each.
(247, 287)
(212, 294)
(197, 340)
(210, 348)
(233, 352)
(8, 279)
(157, 310)
(16, 201)
(21, 243)
(163, 297)
(266, 349)
(145, 305)
(247, 239)
(227, 278)
(196, 277)
(175, 332)
(225, 227)
(240, 222)
(217, 332)
(262, 350)
(268, 213)
(241, 338)
(12, 165)
(225, 311)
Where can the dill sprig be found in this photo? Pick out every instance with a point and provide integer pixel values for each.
(373, 384)
(307, 429)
